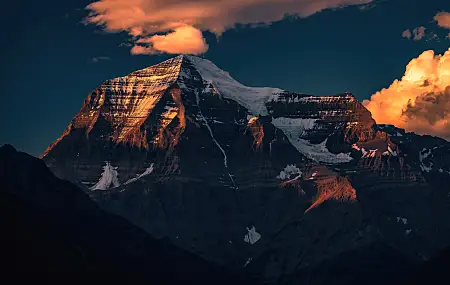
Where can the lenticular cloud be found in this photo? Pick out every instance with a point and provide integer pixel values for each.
(175, 26)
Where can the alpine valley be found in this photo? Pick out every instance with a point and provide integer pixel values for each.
(291, 188)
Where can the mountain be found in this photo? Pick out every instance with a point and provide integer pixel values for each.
(434, 271)
(277, 182)
(51, 226)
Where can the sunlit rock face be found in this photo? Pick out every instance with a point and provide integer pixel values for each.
(259, 178)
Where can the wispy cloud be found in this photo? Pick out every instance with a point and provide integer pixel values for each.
(99, 58)
(156, 24)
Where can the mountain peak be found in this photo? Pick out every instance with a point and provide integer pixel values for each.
(169, 66)
(127, 101)
(182, 143)
(152, 107)
(182, 67)
(7, 148)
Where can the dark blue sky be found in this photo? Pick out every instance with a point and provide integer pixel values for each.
(47, 70)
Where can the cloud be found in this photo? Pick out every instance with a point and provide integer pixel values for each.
(420, 100)
(184, 39)
(417, 34)
(407, 34)
(100, 58)
(149, 18)
(125, 45)
(443, 19)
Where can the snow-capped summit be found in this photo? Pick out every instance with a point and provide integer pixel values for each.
(121, 109)
(252, 98)
(153, 108)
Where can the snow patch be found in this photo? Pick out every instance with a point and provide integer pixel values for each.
(408, 231)
(371, 153)
(270, 145)
(392, 152)
(428, 168)
(295, 128)
(313, 175)
(248, 261)
(424, 154)
(291, 172)
(403, 220)
(355, 146)
(252, 236)
(252, 98)
(148, 171)
(109, 178)
(225, 158)
(315, 99)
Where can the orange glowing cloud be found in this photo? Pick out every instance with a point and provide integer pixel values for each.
(407, 34)
(443, 19)
(420, 101)
(153, 19)
(184, 39)
(419, 33)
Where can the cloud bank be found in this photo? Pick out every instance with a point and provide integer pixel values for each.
(175, 26)
(420, 100)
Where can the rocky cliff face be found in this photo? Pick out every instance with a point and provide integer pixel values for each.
(261, 178)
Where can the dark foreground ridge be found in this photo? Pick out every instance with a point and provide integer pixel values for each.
(50, 225)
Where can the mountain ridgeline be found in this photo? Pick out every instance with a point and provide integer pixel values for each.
(284, 185)
(51, 228)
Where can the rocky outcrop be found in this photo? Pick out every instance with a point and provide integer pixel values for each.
(259, 178)
(330, 186)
